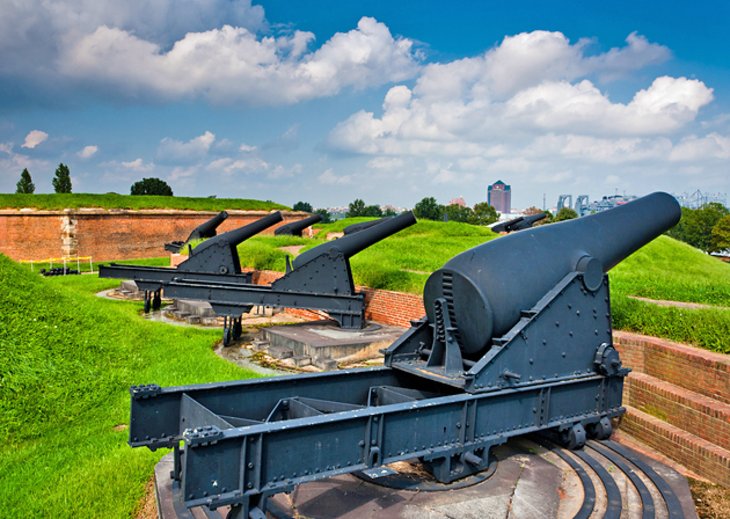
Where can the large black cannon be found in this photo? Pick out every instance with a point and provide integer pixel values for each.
(207, 229)
(318, 279)
(517, 339)
(296, 228)
(215, 259)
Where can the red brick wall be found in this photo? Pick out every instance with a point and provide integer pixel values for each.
(109, 234)
(35, 235)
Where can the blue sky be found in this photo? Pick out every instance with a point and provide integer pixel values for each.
(386, 101)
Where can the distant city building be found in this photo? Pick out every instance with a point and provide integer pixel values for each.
(459, 200)
(499, 196)
(583, 206)
(698, 199)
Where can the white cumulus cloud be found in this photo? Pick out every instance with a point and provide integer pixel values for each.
(34, 138)
(138, 165)
(88, 152)
(232, 63)
(535, 108)
(174, 150)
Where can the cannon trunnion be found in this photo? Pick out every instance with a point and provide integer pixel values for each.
(516, 340)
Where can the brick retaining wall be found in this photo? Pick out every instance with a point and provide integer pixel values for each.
(698, 370)
(112, 234)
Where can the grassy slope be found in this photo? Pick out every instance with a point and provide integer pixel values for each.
(664, 269)
(67, 359)
(667, 269)
(114, 201)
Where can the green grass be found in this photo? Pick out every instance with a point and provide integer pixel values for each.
(84, 265)
(115, 201)
(67, 359)
(670, 270)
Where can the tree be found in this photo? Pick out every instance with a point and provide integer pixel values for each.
(429, 209)
(696, 225)
(389, 211)
(483, 214)
(356, 208)
(151, 186)
(62, 180)
(25, 184)
(303, 206)
(325, 214)
(565, 213)
(458, 213)
(721, 235)
(372, 210)
(530, 211)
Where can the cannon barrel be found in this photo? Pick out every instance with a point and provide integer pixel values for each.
(488, 286)
(236, 236)
(296, 228)
(357, 227)
(353, 243)
(208, 229)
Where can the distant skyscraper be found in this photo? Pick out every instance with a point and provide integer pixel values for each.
(499, 196)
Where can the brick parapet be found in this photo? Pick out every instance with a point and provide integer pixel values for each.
(108, 234)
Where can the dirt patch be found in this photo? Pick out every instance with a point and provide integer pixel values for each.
(147, 507)
(712, 501)
(120, 427)
(292, 249)
(679, 304)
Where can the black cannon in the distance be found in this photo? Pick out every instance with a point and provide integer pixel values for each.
(215, 259)
(296, 228)
(319, 279)
(520, 223)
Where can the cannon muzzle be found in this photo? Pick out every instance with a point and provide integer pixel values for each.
(208, 229)
(204, 230)
(488, 286)
(296, 228)
(353, 243)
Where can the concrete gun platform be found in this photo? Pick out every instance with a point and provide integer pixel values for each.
(325, 344)
(533, 478)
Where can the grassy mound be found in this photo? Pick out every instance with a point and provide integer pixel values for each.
(115, 201)
(67, 359)
(669, 270)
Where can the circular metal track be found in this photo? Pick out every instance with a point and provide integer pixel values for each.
(534, 478)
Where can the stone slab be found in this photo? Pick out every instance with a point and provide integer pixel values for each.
(326, 340)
